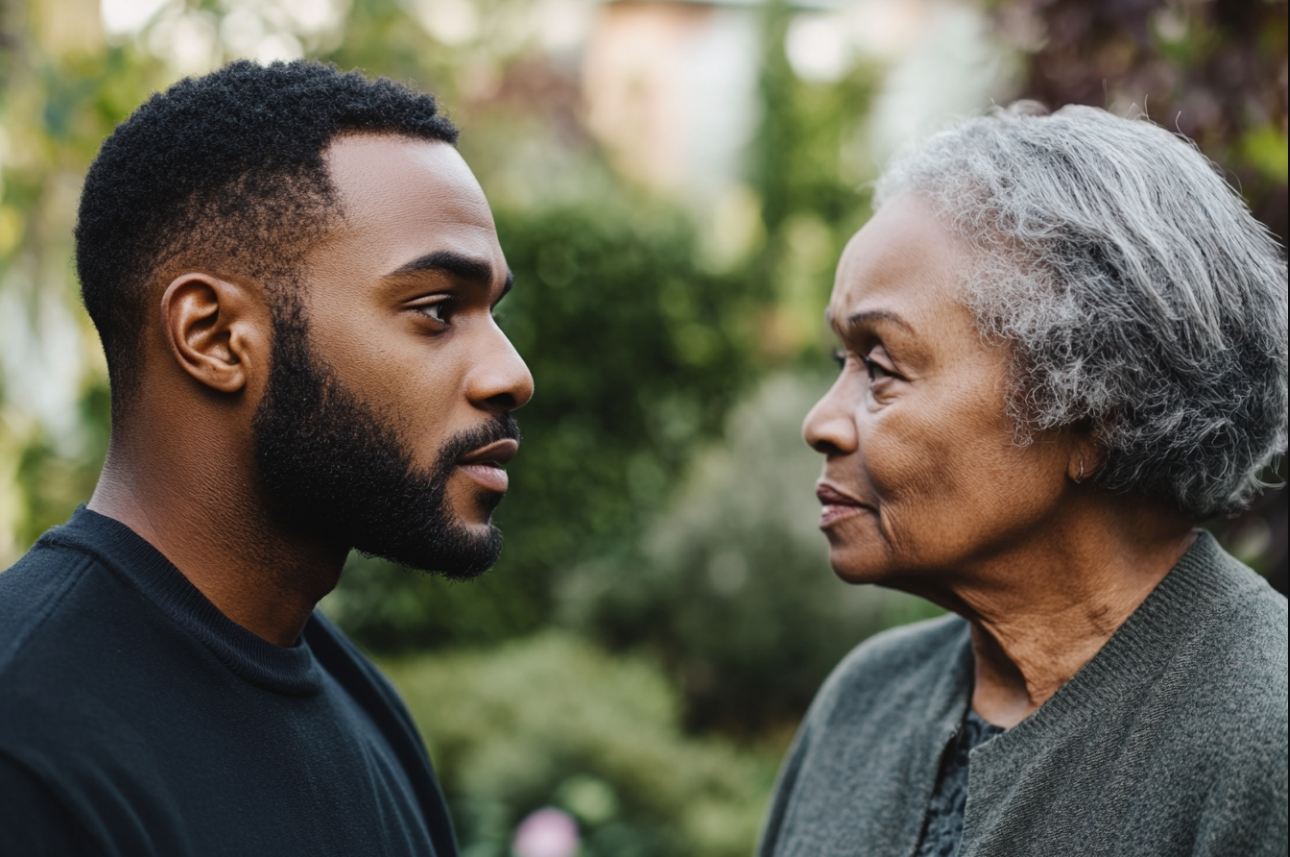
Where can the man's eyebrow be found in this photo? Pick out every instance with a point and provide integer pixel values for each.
(454, 264)
(872, 316)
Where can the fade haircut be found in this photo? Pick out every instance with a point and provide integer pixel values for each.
(1137, 295)
(224, 170)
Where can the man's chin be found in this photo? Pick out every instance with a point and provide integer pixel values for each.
(463, 552)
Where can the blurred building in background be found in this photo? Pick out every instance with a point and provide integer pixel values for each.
(670, 90)
(673, 184)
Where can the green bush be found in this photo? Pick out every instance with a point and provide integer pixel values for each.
(553, 721)
(732, 584)
(637, 352)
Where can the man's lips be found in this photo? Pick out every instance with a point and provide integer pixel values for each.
(837, 505)
(485, 464)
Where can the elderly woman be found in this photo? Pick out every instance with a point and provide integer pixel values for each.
(1063, 344)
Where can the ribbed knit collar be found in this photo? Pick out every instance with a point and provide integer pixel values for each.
(292, 671)
(1135, 652)
(1140, 647)
(1203, 585)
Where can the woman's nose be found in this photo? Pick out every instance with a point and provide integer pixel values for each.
(830, 427)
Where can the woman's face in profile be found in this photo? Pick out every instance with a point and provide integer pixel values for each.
(922, 475)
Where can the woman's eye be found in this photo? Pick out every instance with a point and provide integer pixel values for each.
(875, 369)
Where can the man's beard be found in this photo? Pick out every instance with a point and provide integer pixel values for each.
(331, 466)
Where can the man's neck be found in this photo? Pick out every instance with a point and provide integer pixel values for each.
(216, 531)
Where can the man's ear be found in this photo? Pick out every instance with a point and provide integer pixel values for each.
(216, 329)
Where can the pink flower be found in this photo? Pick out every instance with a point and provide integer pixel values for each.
(546, 833)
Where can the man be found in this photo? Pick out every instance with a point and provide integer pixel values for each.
(293, 273)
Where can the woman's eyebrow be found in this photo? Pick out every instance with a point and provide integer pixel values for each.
(871, 317)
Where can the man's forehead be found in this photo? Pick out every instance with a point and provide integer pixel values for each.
(404, 200)
(376, 172)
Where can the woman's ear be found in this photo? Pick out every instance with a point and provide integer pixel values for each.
(215, 329)
(1087, 455)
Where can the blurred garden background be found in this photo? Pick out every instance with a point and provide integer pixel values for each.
(673, 184)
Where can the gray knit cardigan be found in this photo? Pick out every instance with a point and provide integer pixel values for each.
(1171, 741)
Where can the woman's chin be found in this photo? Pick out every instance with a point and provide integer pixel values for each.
(858, 564)
(857, 550)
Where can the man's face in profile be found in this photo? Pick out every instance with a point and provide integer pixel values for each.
(386, 417)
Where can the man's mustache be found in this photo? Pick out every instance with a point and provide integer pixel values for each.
(499, 427)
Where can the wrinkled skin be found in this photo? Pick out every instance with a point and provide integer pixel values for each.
(924, 488)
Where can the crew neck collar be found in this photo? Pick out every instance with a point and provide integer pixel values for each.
(291, 670)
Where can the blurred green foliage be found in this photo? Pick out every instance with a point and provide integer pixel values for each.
(639, 349)
(553, 721)
(808, 169)
(722, 584)
(637, 352)
(1215, 71)
(661, 512)
(57, 481)
(61, 93)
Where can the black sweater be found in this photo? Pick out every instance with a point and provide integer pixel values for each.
(136, 719)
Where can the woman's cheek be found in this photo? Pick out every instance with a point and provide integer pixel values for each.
(906, 457)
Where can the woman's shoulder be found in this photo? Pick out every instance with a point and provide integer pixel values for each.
(1235, 629)
(905, 646)
(1236, 653)
(906, 661)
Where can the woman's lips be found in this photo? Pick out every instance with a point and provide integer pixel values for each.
(837, 505)
(831, 514)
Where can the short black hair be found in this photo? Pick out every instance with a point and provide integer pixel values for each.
(225, 167)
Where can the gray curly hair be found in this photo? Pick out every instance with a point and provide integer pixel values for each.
(1137, 294)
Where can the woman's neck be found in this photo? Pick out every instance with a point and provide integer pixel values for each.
(1042, 611)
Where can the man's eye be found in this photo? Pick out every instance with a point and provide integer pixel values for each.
(438, 311)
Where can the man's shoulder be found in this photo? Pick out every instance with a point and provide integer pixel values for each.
(39, 592)
(59, 608)
(901, 661)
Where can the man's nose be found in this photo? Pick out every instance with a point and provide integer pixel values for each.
(501, 382)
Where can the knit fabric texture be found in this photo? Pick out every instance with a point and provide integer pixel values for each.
(1171, 741)
(943, 828)
(136, 720)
